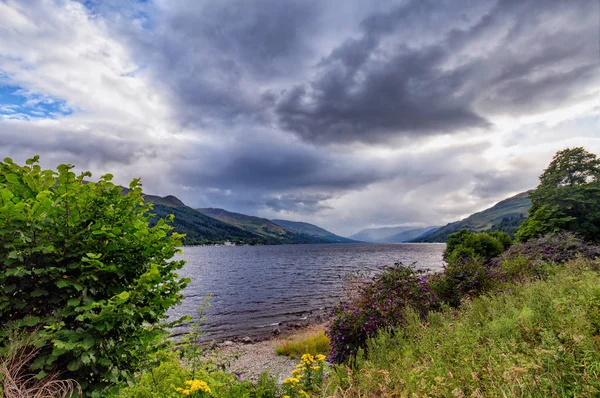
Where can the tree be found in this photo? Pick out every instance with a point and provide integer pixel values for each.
(80, 263)
(567, 198)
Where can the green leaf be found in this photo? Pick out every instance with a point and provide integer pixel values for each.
(39, 362)
(31, 320)
(73, 302)
(124, 295)
(12, 178)
(62, 283)
(41, 374)
(39, 292)
(7, 195)
(77, 286)
(74, 365)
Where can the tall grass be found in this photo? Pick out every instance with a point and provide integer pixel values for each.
(16, 379)
(538, 339)
(310, 342)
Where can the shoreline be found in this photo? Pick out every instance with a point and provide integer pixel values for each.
(255, 334)
(249, 359)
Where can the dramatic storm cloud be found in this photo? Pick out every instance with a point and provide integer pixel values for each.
(343, 113)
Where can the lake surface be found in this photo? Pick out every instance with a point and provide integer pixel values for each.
(256, 289)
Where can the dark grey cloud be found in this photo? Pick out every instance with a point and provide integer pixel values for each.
(302, 179)
(216, 57)
(407, 93)
(270, 164)
(517, 57)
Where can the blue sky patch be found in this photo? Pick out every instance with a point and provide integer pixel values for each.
(19, 103)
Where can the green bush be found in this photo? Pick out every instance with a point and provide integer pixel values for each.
(79, 262)
(466, 276)
(465, 244)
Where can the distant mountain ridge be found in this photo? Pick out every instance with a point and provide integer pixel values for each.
(201, 229)
(271, 231)
(375, 234)
(392, 234)
(506, 215)
(407, 236)
(198, 228)
(313, 230)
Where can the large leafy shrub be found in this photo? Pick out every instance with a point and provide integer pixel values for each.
(379, 305)
(467, 271)
(79, 262)
(484, 245)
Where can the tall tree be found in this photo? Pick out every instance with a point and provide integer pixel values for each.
(567, 198)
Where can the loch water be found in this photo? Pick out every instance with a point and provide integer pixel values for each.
(257, 289)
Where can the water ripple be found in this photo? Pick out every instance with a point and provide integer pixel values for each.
(256, 287)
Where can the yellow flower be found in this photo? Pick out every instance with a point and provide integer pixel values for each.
(291, 380)
(315, 367)
(320, 357)
(194, 385)
(308, 359)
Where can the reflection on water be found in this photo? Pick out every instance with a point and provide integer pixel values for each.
(256, 287)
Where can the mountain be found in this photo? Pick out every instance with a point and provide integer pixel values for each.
(407, 236)
(261, 226)
(375, 234)
(505, 216)
(312, 230)
(200, 229)
(168, 201)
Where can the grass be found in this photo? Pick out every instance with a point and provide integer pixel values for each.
(312, 341)
(17, 380)
(538, 339)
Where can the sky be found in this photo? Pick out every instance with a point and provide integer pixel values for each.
(344, 113)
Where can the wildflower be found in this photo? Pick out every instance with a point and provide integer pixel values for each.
(291, 380)
(320, 357)
(193, 386)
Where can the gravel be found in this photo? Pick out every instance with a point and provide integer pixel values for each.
(249, 360)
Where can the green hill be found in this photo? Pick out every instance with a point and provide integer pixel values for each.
(505, 216)
(260, 226)
(312, 230)
(200, 229)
